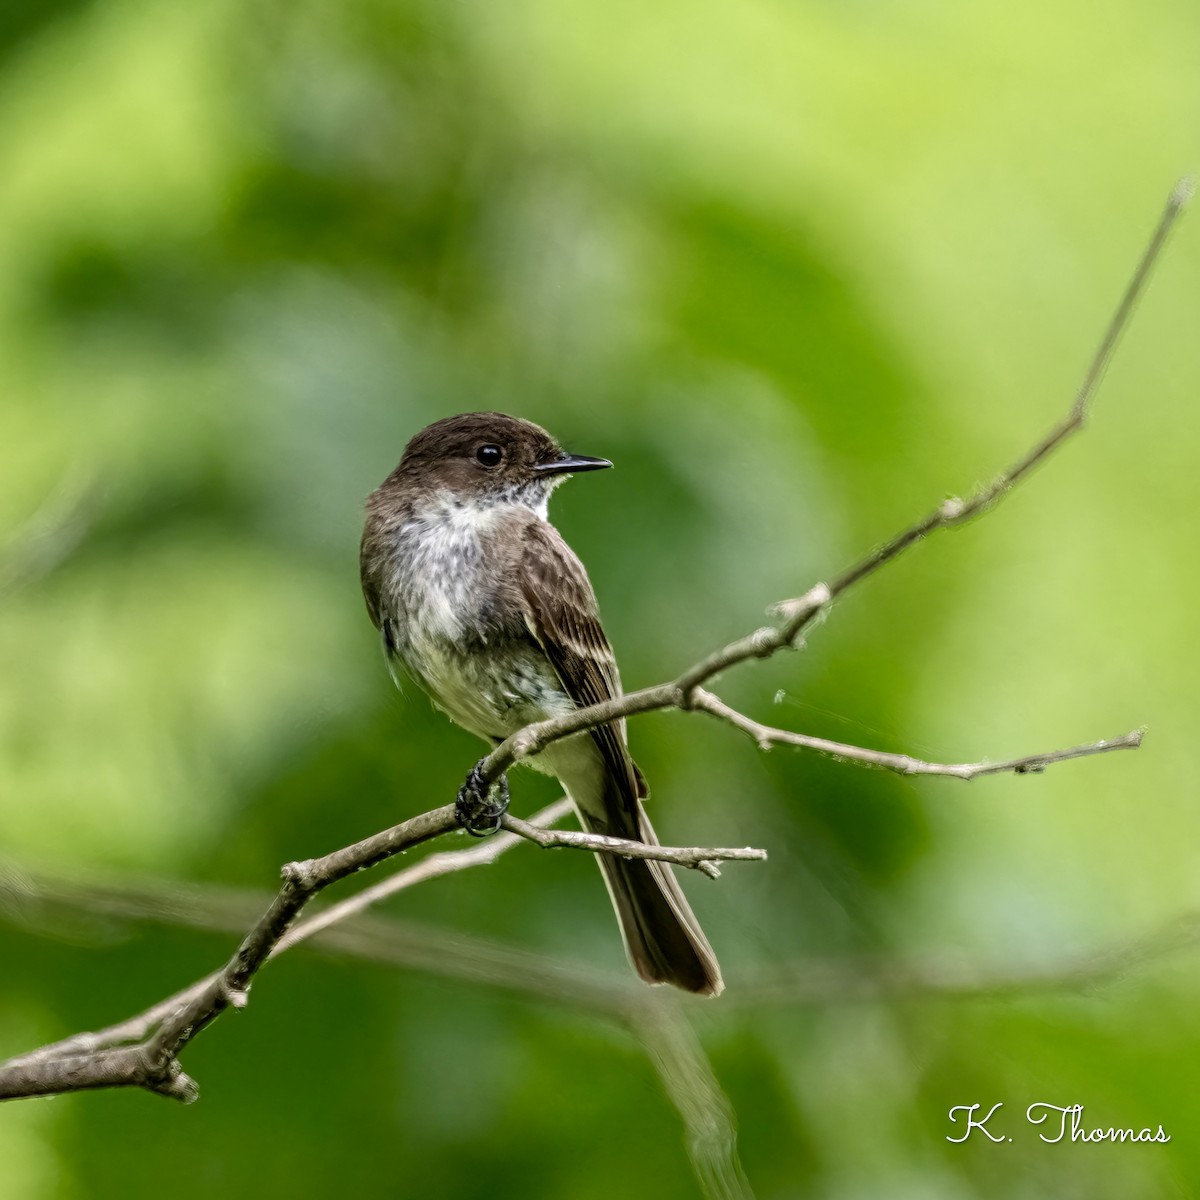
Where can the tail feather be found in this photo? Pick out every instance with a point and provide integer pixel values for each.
(662, 936)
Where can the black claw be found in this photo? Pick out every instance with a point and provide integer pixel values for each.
(481, 808)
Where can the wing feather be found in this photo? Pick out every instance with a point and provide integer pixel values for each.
(562, 615)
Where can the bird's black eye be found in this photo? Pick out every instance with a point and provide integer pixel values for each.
(489, 455)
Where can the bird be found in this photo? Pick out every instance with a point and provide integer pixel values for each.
(478, 598)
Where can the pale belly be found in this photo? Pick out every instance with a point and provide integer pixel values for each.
(494, 703)
(493, 691)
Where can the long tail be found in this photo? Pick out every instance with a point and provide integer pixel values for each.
(662, 936)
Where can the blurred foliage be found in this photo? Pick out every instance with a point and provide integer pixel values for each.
(800, 270)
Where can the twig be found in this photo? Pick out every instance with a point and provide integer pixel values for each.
(445, 862)
(954, 511)
(99, 1061)
(797, 614)
(158, 904)
(154, 1064)
(766, 736)
(683, 856)
(688, 1079)
(141, 904)
(341, 928)
(132, 1030)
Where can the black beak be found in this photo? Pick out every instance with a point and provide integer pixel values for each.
(570, 463)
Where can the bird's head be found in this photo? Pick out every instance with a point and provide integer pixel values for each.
(489, 458)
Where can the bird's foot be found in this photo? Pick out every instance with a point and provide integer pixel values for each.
(481, 808)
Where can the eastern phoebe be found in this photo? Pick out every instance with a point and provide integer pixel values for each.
(481, 601)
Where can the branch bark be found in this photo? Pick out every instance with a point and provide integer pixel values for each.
(796, 615)
(766, 736)
(153, 1064)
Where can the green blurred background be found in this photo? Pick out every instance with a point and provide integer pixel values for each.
(800, 270)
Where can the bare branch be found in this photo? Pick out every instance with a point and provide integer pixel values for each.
(797, 614)
(957, 512)
(123, 1033)
(301, 881)
(690, 1083)
(125, 1066)
(101, 1060)
(483, 853)
(142, 903)
(767, 736)
(154, 1064)
(342, 929)
(690, 856)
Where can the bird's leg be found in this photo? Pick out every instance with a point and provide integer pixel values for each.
(480, 807)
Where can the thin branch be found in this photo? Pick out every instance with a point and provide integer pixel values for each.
(816, 983)
(688, 1079)
(96, 1061)
(343, 929)
(797, 614)
(301, 881)
(683, 856)
(483, 853)
(154, 1064)
(956, 512)
(129, 902)
(178, 904)
(123, 1033)
(766, 736)
(125, 1066)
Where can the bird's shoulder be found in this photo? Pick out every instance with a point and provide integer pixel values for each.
(554, 588)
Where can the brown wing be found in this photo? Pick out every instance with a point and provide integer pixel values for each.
(562, 616)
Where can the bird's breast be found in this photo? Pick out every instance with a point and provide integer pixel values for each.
(442, 573)
(454, 628)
